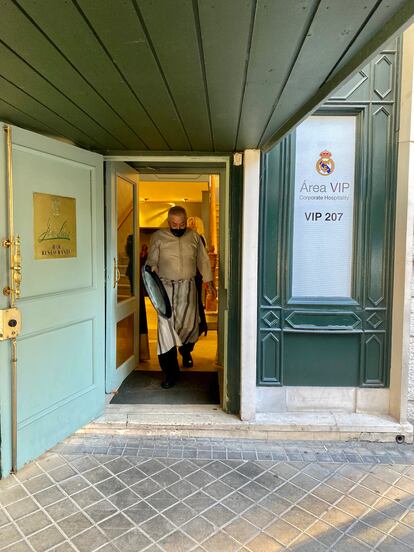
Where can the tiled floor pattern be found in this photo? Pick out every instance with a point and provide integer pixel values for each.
(355, 497)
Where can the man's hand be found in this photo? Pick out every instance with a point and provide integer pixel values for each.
(211, 289)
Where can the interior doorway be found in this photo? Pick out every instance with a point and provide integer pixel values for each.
(200, 194)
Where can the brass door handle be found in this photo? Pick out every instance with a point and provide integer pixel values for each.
(17, 266)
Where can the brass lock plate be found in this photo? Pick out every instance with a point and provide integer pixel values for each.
(10, 323)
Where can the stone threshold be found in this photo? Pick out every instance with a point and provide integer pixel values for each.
(210, 421)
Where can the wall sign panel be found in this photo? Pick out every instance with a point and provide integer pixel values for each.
(324, 207)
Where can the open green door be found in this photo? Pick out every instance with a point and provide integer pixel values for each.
(59, 215)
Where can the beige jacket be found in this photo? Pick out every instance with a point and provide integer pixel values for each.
(178, 258)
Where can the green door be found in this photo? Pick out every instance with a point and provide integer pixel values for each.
(59, 215)
(122, 323)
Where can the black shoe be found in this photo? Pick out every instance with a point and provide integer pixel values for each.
(187, 360)
(167, 384)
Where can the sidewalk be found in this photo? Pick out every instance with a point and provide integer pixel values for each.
(117, 493)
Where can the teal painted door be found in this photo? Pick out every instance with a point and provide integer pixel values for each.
(122, 280)
(60, 368)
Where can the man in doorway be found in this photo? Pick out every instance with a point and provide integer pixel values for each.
(176, 253)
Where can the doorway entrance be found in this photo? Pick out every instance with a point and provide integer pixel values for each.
(202, 191)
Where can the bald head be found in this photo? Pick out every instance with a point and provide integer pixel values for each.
(177, 211)
(177, 220)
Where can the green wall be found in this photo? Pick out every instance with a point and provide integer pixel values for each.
(347, 342)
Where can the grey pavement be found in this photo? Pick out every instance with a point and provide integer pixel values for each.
(117, 493)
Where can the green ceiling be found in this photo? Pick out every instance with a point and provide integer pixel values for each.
(180, 75)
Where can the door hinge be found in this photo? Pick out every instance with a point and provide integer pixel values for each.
(237, 159)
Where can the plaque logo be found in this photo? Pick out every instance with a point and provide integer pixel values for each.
(325, 165)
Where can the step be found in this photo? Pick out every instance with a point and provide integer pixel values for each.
(211, 421)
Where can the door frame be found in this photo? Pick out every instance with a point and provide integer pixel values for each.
(230, 226)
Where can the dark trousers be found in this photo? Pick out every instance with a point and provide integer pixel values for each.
(169, 361)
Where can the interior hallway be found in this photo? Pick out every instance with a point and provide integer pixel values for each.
(204, 352)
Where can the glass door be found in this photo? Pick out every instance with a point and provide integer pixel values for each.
(122, 278)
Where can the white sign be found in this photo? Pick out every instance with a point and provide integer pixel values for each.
(324, 207)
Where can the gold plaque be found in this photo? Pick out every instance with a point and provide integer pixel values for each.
(54, 226)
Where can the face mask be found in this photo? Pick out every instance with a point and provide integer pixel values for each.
(178, 232)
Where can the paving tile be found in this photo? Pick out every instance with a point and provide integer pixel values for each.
(97, 474)
(74, 524)
(20, 546)
(237, 502)
(282, 531)
(146, 487)
(124, 499)
(392, 545)
(241, 530)
(182, 489)
(403, 533)
(314, 505)
(85, 463)
(46, 539)
(150, 467)
(299, 518)
(264, 543)
(235, 480)
(348, 544)
(12, 494)
(117, 465)
(4, 520)
(9, 535)
(217, 469)
(251, 470)
(179, 513)
(258, 516)
(61, 473)
(199, 501)
(367, 534)
(32, 523)
(74, 484)
(199, 529)
(19, 509)
(110, 486)
(89, 540)
(115, 526)
(157, 527)
(176, 542)
(218, 490)
(254, 491)
(64, 547)
(38, 483)
(184, 468)
(62, 509)
(86, 497)
(161, 500)
(324, 533)
(219, 515)
(200, 479)
(28, 472)
(305, 543)
(140, 512)
(167, 477)
(221, 541)
(50, 461)
(49, 496)
(326, 493)
(132, 476)
(275, 503)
